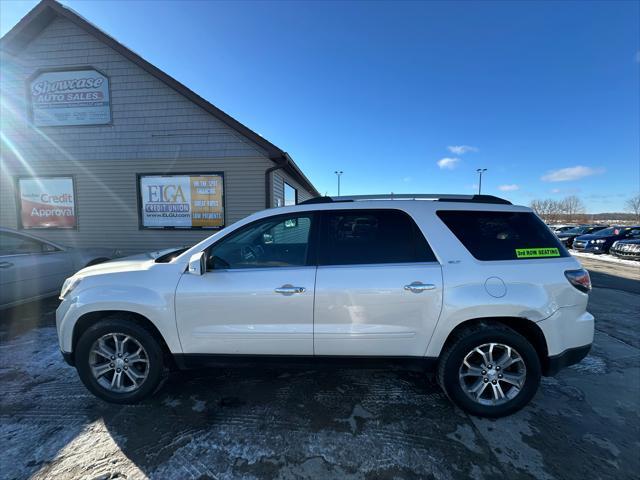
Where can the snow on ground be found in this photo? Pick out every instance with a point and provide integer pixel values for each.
(605, 257)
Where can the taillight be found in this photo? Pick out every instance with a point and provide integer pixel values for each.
(579, 279)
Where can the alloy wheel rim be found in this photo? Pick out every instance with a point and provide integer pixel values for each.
(492, 374)
(119, 362)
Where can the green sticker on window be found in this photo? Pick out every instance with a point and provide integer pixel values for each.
(537, 252)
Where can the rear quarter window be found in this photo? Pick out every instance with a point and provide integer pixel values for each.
(503, 235)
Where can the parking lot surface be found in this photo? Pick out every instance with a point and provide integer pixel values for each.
(342, 424)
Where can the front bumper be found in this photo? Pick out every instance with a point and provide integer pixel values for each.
(569, 357)
(625, 254)
(590, 247)
(68, 358)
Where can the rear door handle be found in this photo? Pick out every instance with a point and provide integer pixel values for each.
(6, 264)
(290, 290)
(417, 287)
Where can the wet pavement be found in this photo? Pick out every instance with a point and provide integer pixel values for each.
(342, 424)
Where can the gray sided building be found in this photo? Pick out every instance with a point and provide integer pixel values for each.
(101, 148)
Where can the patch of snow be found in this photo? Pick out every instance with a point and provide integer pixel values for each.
(605, 257)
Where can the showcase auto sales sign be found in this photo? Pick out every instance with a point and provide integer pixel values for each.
(71, 97)
(47, 202)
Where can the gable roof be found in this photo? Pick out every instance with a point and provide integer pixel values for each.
(30, 26)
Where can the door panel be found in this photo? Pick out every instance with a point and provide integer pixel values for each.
(366, 310)
(239, 311)
(257, 295)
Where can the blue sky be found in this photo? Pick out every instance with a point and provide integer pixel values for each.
(545, 95)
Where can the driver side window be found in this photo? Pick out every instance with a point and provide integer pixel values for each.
(281, 241)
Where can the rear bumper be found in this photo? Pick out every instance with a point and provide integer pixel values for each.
(570, 356)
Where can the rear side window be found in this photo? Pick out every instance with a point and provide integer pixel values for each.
(503, 235)
(352, 237)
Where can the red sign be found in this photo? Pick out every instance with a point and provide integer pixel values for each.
(47, 202)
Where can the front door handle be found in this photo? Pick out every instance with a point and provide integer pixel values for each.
(417, 287)
(290, 290)
(6, 264)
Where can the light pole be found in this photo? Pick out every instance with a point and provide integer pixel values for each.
(480, 172)
(338, 173)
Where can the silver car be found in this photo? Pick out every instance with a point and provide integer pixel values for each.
(32, 268)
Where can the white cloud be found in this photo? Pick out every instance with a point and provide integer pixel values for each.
(508, 188)
(461, 149)
(570, 173)
(448, 163)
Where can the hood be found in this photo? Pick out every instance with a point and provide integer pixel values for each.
(127, 264)
(591, 236)
(631, 241)
(150, 255)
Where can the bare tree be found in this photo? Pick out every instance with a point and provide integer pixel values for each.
(633, 205)
(571, 206)
(550, 210)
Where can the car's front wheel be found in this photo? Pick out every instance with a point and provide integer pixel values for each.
(489, 370)
(119, 361)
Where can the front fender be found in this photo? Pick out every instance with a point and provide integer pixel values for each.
(156, 306)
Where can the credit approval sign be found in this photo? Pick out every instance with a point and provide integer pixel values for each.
(47, 202)
(70, 97)
(182, 201)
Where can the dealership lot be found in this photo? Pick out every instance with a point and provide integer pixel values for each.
(267, 423)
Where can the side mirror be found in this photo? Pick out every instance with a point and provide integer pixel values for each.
(197, 265)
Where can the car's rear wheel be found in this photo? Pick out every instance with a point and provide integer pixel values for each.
(489, 370)
(119, 361)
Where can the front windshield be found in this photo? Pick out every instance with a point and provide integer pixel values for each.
(169, 256)
(608, 231)
(575, 230)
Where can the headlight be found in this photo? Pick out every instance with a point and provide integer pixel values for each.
(598, 241)
(68, 286)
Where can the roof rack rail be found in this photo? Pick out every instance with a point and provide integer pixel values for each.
(444, 197)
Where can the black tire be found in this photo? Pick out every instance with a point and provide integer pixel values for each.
(464, 342)
(121, 325)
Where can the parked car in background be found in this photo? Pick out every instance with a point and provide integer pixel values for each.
(472, 286)
(602, 240)
(32, 268)
(560, 228)
(626, 249)
(568, 236)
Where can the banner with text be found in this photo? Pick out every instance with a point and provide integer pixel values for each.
(182, 201)
(47, 202)
(71, 97)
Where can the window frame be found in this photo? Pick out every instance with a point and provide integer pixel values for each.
(285, 184)
(323, 244)
(561, 248)
(312, 243)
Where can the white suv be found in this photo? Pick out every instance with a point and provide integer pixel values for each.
(472, 286)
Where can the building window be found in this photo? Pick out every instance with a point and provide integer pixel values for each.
(47, 202)
(290, 195)
(181, 201)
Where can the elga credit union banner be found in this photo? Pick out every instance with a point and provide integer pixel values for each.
(73, 97)
(182, 201)
(47, 202)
